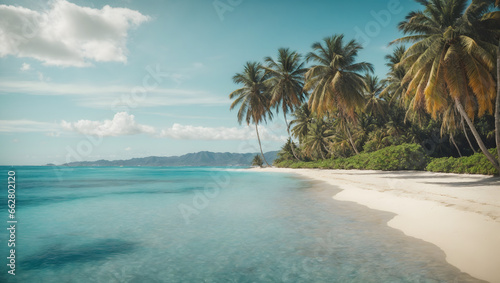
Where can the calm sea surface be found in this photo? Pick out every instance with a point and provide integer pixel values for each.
(190, 224)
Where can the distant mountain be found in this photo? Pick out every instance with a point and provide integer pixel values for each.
(203, 158)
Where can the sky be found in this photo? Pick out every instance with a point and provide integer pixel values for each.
(90, 80)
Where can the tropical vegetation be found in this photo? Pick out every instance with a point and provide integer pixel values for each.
(257, 161)
(437, 109)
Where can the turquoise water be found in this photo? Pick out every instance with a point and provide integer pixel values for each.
(160, 224)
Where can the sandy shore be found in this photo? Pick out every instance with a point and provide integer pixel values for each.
(458, 213)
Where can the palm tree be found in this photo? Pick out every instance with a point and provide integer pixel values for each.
(253, 97)
(336, 81)
(302, 122)
(491, 21)
(497, 101)
(450, 123)
(395, 90)
(286, 83)
(374, 105)
(257, 161)
(286, 152)
(452, 56)
(318, 138)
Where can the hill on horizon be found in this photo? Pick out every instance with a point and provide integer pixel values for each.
(202, 158)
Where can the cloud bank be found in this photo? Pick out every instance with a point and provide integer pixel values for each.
(107, 97)
(26, 126)
(67, 34)
(188, 132)
(122, 124)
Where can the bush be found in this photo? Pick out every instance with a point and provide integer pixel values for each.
(257, 161)
(398, 157)
(474, 164)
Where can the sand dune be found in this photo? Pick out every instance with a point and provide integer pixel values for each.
(458, 213)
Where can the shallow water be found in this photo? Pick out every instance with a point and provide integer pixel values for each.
(188, 224)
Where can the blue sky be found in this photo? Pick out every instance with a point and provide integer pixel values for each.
(89, 80)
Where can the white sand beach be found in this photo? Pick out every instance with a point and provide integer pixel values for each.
(458, 213)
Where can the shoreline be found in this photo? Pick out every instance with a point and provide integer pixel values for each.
(458, 213)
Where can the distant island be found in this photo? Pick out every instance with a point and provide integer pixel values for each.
(202, 158)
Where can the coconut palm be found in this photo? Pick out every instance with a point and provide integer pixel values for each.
(450, 124)
(318, 138)
(257, 161)
(374, 105)
(286, 83)
(253, 97)
(336, 83)
(452, 57)
(302, 122)
(497, 101)
(394, 88)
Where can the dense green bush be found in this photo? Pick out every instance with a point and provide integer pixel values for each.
(257, 161)
(400, 157)
(474, 164)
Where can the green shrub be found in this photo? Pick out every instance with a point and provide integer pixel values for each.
(257, 161)
(474, 164)
(398, 157)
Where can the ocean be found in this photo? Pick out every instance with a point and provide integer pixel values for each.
(194, 224)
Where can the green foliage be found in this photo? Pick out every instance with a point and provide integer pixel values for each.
(474, 164)
(257, 161)
(400, 157)
(286, 152)
(348, 109)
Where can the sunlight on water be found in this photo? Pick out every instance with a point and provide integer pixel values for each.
(204, 225)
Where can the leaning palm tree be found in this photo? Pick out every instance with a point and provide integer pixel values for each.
(336, 83)
(253, 97)
(450, 123)
(497, 101)
(452, 57)
(286, 83)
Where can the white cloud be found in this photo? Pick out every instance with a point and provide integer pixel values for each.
(25, 126)
(125, 124)
(42, 77)
(67, 34)
(114, 95)
(25, 67)
(188, 132)
(128, 148)
(122, 124)
(53, 134)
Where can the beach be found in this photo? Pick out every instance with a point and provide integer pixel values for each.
(458, 213)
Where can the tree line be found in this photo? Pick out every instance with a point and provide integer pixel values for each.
(445, 81)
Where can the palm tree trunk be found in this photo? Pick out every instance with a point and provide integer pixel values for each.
(453, 141)
(467, 135)
(350, 139)
(260, 145)
(290, 136)
(497, 104)
(483, 148)
(321, 152)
